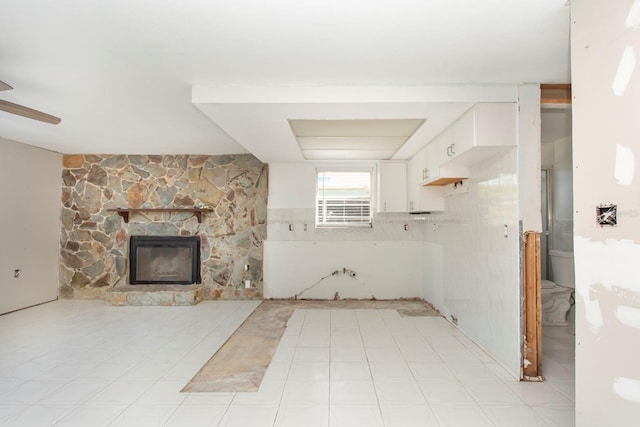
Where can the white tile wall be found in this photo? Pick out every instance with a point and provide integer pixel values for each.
(480, 281)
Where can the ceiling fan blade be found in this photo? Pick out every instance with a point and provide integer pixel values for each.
(4, 86)
(23, 111)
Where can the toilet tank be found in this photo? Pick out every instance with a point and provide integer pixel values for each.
(562, 268)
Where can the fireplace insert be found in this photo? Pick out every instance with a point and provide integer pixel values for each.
(164, 260)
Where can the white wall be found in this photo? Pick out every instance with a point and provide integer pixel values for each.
(388, 260)
(384, 269)
(529, 157)
(30, 215)
(606, 150)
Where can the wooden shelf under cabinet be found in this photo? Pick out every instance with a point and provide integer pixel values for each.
(124, 212)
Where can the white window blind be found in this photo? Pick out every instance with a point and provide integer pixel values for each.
(343, 199)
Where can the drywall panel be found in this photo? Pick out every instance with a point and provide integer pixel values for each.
(529, 157)
(30, 224)
(606, 149)
(383, 270)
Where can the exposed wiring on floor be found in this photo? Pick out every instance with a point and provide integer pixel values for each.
(335, 273)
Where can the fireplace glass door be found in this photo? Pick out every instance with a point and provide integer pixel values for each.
(164, 260)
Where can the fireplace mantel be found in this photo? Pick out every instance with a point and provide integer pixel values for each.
(124, 212)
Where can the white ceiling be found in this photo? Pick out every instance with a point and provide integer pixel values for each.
(122, 75)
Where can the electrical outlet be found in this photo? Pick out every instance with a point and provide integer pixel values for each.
(247, 284)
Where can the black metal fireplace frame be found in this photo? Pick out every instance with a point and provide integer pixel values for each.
(192, 242)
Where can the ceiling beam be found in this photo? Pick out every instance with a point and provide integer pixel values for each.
(555, 94)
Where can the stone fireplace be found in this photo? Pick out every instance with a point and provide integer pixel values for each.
(220, 199)
(164, 260)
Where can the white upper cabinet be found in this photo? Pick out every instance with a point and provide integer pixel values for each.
(421, 198)
(392, 187)
(438, 153)
(485, 130)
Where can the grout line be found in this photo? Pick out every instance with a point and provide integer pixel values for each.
(413, 375)
(330, 363)
(286, 380)
(369, 366)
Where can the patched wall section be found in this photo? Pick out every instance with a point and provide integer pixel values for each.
(94, 241)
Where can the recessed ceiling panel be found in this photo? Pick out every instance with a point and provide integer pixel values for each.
(377, 127)
(361, 139)
(351, 143)
(348, 154)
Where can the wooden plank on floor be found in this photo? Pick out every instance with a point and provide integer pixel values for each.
(532, 347)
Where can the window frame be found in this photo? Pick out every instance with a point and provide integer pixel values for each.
(371, 170)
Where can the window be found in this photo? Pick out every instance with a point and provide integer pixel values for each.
(343, 198)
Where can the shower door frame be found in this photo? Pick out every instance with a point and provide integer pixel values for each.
(546, 239)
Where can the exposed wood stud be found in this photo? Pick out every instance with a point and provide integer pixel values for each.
(532, 347)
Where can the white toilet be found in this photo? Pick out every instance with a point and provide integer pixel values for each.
(556, 295)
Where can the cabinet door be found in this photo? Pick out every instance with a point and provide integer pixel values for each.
(433, 159)
(393, 187)
(421, 198)
(446, 145)
(463, 134)
(420, 165)
(414, 178)
(484, 131)
(440, 153)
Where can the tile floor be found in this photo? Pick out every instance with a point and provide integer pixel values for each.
(83, 363)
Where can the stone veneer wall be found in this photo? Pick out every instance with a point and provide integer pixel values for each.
(94, 242)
